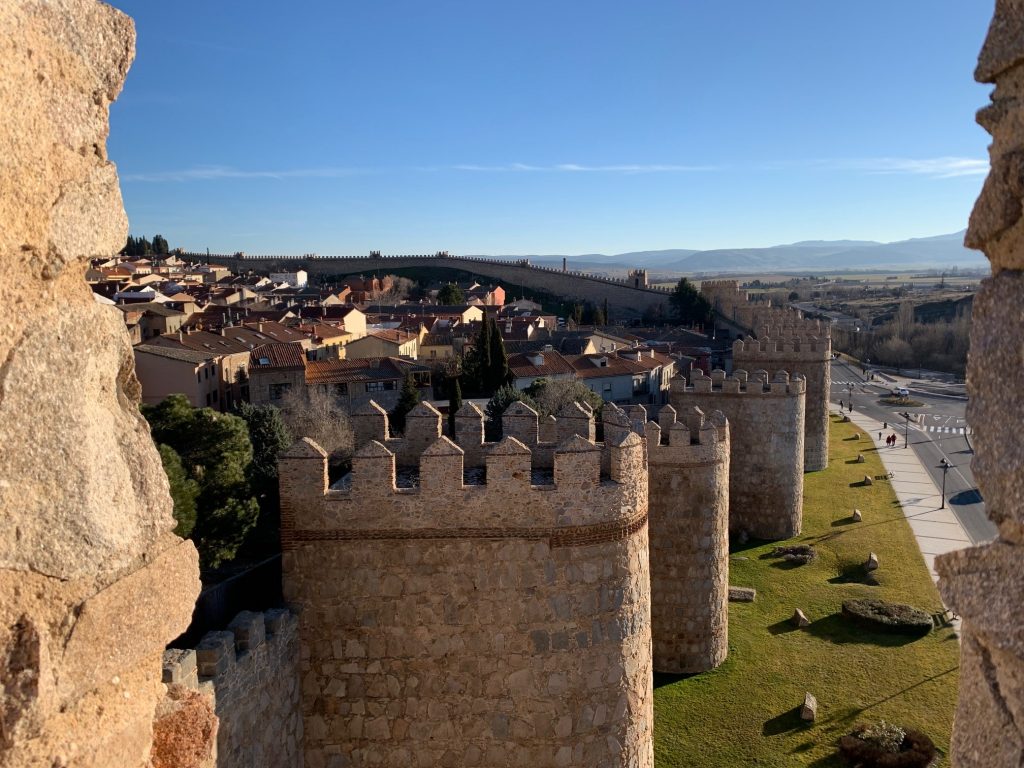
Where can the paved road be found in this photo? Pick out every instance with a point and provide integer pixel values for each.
(942, 433)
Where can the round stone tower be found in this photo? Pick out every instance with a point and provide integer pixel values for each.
(469, 616)
(766, 464)
(791, 348)
(688, 462)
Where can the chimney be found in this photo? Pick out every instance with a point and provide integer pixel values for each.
(259, 325)
(565, 264)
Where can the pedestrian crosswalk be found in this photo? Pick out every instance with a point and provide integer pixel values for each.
(943, 430)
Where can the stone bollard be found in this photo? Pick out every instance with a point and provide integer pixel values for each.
(872, 563)
(799, 619)
(860, 458)
(868, 480)
(856, 516)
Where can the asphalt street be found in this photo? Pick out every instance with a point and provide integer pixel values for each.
(941, 432)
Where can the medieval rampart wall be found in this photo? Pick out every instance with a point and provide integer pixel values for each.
(464, 624)
(809, 357)
(623, 296)
(766, 448)
(250, 675)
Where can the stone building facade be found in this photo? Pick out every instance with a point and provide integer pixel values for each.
(503, 623)
(985, 585)
(786, 347)
(766, 462)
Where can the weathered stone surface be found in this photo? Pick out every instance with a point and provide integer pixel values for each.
(184, 731)
(809, 709)
(799, 619)
(92, 496)
(996, 399)
(985, 584)
(92, 583)
(121, 625)
(742, 594)
(857, 516)
(872, 562)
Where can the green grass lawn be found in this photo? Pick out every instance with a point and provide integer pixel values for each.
(746, 712)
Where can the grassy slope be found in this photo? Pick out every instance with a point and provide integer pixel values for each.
(745, 712)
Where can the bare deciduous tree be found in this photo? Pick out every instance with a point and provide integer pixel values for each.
(313, 412)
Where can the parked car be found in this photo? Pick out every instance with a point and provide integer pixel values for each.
(901, 392)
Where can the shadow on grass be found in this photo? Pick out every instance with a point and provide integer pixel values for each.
(854, 461)
(782, 627)
(736, 548)
(851, 437)
(837, 630)
(787, 721)
(860, 484)
(665, 678)
(843, 522)
(855, 574)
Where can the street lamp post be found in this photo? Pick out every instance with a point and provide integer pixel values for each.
(945, 469)
(906, 429)
(850, 388)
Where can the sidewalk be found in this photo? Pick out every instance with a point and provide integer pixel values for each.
(937, 530)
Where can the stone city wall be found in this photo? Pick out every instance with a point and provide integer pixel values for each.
(688, 463)
(766, 462)
(472, 625)
(985, 585)
(623, 297)
(250, 675)
(811, 357)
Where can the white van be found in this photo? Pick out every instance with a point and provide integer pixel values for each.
(901, 392)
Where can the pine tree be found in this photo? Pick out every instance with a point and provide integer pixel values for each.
(184, 491)
(160, 245)
(454, 404)
(408, 399)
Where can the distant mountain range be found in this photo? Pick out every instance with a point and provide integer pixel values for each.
(937, 252)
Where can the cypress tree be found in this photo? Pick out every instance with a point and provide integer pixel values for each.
(408, 398)
(454, 404)
(499, 374)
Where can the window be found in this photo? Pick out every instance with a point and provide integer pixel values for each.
(199, 376)
(375, 386)
(341, 390)
(215, 393)
(277, 391)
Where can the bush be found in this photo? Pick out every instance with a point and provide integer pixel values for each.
(890, 617)
(801, 554)
(884, 745)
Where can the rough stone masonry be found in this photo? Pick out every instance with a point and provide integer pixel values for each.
(93, 583)
(985, 585)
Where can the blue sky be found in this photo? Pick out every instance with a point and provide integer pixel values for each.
(543, 127)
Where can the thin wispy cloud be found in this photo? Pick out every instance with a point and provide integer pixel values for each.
(576, 168)
(217, 172)
(934, 167)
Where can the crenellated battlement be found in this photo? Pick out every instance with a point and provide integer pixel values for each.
(758, 383)
(787, 346)
(220, 652)
(250, 674)
(440, 499)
